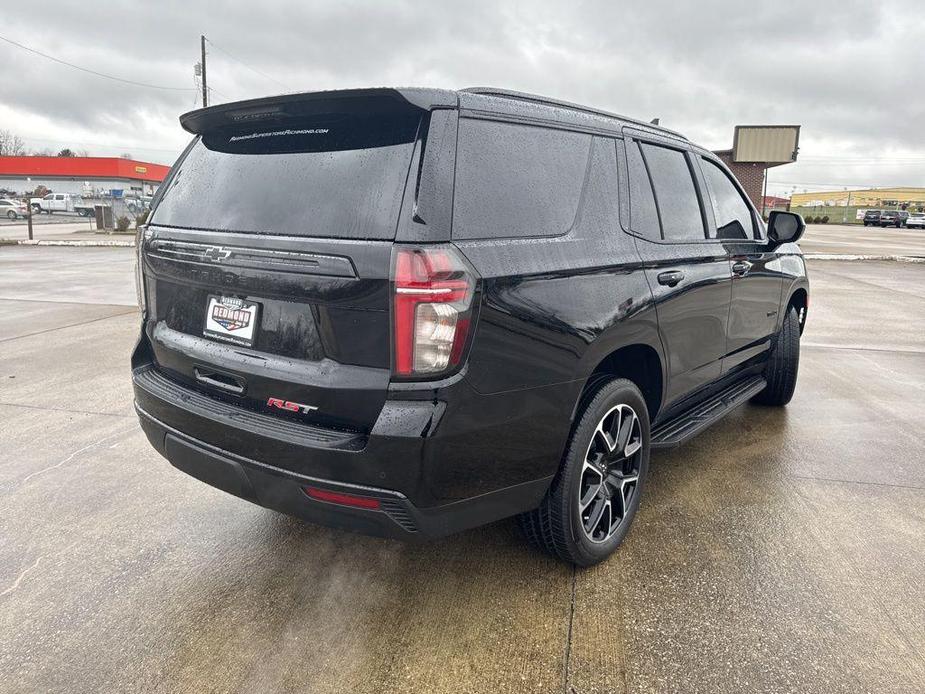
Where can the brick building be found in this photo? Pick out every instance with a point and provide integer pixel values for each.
(750, 175)
(757, 148)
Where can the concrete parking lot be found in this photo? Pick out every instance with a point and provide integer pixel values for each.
(781, 551)
(857, 239)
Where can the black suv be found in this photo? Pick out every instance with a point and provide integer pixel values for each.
(409, 312)
(872, 218)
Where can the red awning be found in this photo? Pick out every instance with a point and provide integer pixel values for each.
(82, 167)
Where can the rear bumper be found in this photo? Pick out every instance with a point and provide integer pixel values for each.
(452, 461)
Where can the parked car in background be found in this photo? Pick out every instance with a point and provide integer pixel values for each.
(893, 218)
(409, 312)
(12, 209)
(916, 219)
(872, 218)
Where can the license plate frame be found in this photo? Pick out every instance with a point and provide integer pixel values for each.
(231, 319)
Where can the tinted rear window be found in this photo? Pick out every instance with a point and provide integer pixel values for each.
(517, 180)
(336, 176)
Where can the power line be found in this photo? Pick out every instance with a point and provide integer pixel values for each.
(863, 159)
(213, 89)
(238, 60)
(863, 186)
(94, 72)
(101, 144)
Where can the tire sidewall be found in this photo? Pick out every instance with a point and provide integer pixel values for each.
(616, 392)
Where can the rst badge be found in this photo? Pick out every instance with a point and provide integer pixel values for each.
(290, 406)
(231, 319)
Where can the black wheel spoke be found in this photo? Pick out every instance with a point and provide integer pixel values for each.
(598, 510)
(592, 482)
(626, 430)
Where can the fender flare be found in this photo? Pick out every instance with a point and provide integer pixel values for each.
(616, 337)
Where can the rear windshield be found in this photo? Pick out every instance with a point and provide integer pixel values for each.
(333, 176)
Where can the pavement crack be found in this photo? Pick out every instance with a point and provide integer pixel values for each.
(22, 575)
(64, 409)
(75, 454)
(568, 640)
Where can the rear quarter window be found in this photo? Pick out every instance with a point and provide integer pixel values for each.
(643, 214)
(517, 180)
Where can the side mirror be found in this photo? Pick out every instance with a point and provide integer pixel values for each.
(785, 227)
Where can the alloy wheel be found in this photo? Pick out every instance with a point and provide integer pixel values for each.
(610, 473)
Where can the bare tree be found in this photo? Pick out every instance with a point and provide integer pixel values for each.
(11, 145)
(66, 152)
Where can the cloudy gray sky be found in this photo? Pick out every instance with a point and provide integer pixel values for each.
(851, 73)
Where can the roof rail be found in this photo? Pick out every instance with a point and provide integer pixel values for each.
(534, 98)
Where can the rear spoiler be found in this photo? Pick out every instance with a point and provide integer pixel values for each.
(377, 100)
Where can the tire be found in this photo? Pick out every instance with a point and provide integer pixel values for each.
(783, 365)
(559, 525)
(11, 215)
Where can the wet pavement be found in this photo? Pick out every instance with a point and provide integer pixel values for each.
(856, 239)
(781, 551)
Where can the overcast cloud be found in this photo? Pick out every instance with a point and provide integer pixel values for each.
(851, 73)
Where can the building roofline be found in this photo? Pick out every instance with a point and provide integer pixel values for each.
(81, 168)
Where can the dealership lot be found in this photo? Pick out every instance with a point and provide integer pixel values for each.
(780, 551)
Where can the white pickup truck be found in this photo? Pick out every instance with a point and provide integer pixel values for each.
(61, 202)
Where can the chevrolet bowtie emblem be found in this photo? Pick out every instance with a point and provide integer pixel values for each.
(216, 253)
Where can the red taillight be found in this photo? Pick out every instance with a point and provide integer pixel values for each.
(432, 301)
(366, 502)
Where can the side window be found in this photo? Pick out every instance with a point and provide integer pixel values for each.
(734, 218)
(675, 194)
(50, 196)
(517, 180)
(643, 213)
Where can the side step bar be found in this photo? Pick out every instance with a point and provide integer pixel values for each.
(685, 426)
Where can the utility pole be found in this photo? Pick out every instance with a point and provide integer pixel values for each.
(764, 192)
(205, 88)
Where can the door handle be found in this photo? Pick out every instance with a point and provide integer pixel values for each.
(741, 267)
(217, 379)
(670, 278)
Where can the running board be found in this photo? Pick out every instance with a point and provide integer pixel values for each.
(685, 426)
